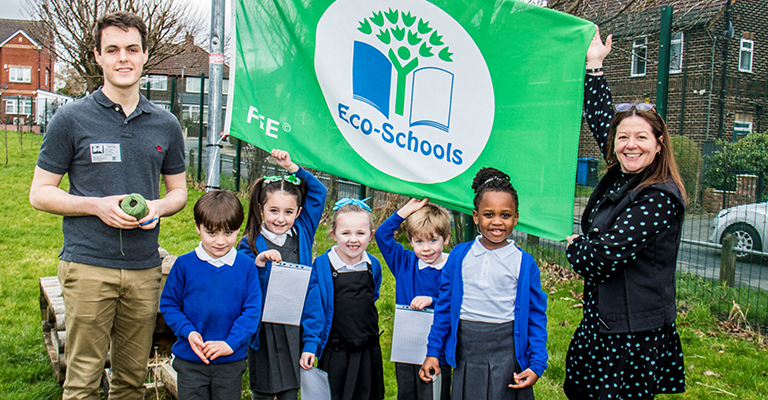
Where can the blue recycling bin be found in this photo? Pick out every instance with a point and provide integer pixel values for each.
(586, 171)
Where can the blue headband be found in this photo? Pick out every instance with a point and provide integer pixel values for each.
(357, 202)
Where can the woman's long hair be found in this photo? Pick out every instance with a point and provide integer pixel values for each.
(663, 167)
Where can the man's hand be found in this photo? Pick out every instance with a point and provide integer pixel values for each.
(109, 212)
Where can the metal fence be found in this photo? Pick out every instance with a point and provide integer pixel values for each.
(739, 209)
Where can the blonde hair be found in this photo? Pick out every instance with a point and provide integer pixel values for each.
(429, 219)
(350, 208)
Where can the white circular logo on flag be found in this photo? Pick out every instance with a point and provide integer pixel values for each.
(406, 85)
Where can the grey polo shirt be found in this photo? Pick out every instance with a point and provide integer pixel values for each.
(106, 153)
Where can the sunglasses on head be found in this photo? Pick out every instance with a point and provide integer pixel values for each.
(637, 106)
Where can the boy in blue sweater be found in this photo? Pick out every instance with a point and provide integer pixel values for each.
(212, 302)
(417, 277)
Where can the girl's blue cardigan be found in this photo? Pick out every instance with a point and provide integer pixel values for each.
(318, 307)
(530, 312)
(305, 226)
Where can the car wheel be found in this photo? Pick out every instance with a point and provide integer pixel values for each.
(747, 238)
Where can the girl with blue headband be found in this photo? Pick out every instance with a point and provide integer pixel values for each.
(283, 215)
(340, 320)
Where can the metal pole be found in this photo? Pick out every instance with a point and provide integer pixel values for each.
(173, 94)
(724, 76)
(148, 91)
(238, 150)
(469, 228)
(662, 83)
(200, 130)
(361, 192)
(216, 73)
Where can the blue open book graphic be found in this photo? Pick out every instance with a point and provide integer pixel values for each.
(371, 77)
(431, 98)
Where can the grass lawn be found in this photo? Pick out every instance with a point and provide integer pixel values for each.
(719, 357)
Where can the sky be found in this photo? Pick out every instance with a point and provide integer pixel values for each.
(14, 9)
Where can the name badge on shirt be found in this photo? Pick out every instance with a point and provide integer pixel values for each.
(105, 152)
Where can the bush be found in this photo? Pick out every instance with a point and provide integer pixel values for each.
(748, 155)
(689, 162)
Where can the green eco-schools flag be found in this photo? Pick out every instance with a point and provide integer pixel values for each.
(415, 96)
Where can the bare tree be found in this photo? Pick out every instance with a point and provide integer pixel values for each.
(71, 23)
(606, 12)
(69, 82)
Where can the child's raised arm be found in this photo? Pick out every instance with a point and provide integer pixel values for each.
(411, 207)
(393, 252)
(283, 159)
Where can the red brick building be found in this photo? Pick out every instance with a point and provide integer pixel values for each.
(27, 66)
(175, 85)
(713, 71)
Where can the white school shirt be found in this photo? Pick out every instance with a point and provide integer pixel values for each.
(341, 266)
(228, 258)
(490, 283)
(274, 238)
(438, 267)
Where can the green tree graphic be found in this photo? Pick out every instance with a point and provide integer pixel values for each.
(408, 41)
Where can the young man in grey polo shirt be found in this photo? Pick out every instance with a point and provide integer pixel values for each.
(111, 143)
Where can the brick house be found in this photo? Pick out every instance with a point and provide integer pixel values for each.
(27, 68)
(182, 98)
(700, 48)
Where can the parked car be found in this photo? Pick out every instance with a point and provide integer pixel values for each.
(749, 225)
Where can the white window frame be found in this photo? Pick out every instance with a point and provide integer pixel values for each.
(164, 104)
(676, 43)
(191, 112)
(10, 106)
(639, 43)
(742, 128)
(20, 74)
(746, 48)
(193, 85)
(26, 106)
(157, 83)
(21, 107)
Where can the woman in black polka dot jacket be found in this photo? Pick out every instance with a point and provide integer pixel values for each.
(626, 346)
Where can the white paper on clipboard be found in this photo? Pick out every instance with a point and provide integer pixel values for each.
(314, 384)
(409, 336)
(286, 291)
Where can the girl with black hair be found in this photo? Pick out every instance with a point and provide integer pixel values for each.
(490, 318)
(283, 215)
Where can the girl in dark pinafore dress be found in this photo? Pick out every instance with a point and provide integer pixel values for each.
(340, 321)
(283, 215)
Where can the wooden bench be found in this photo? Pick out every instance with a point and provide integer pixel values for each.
(52, 313)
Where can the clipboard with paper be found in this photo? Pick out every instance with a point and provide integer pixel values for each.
(409, 335)
(286, 292)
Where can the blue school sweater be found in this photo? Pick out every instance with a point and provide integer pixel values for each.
(530, 313)
(221, 303)
(410, 281)
(305, 226)
(318, 307)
